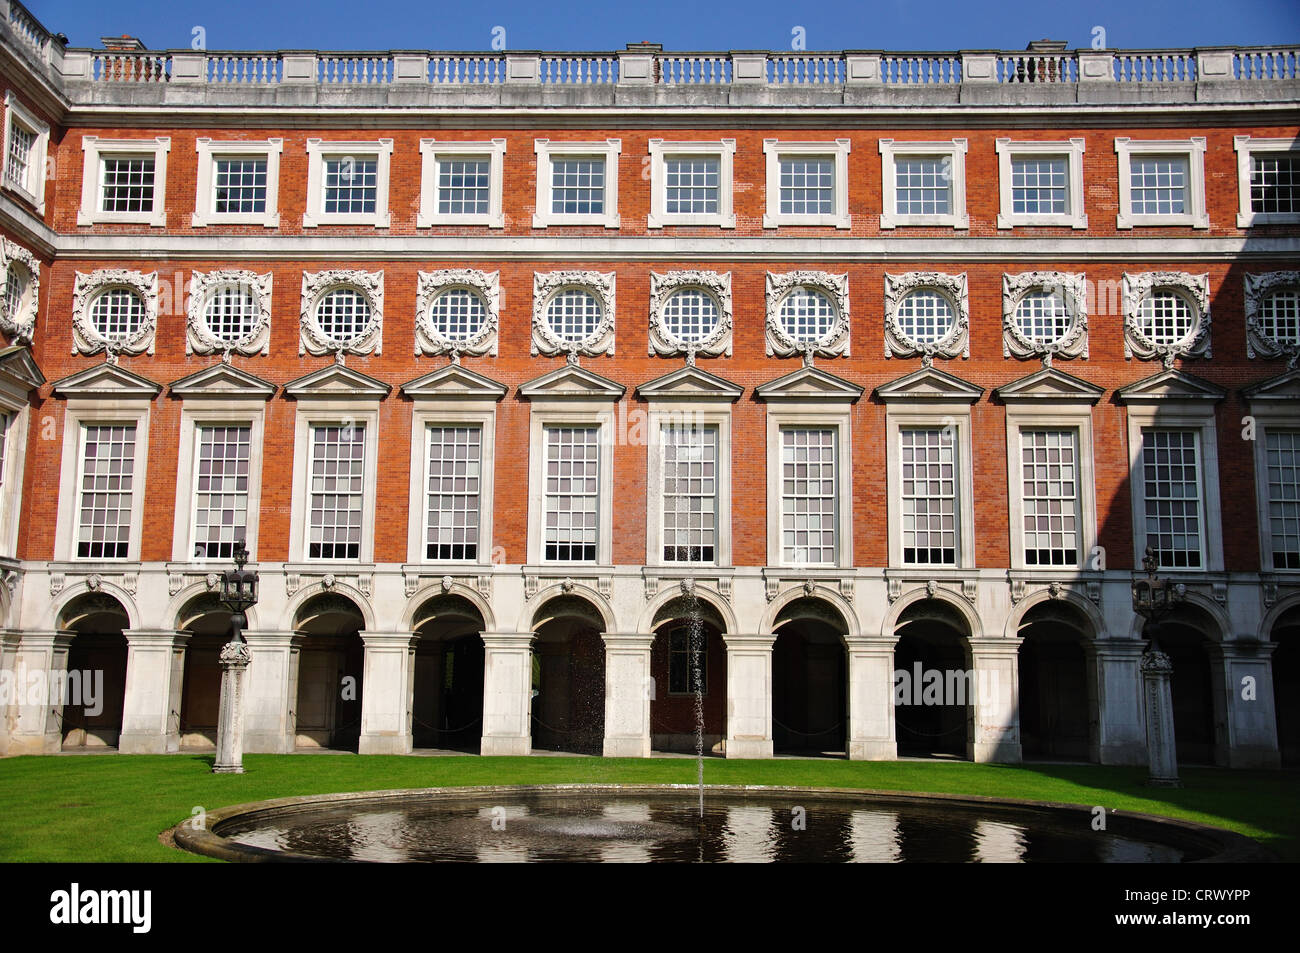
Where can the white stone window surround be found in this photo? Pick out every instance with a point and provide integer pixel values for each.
(954, 288)
(837, 417)
(1071, 287)
(1175, 415)
(779, 286)
(315, 286)
(548, 286)
(544, 415)
(430, 285)
(94, 150)
(1193, 149)
(1027, 415)
(465, 414)
(1275, 416)
(318, 151)
(1245, 146)
(205, 193)
(33, 189)
(899, 417)
(205, 412)
(547, 150)
(1072, 151)
(665, 414)
(724, 150)
(13, 444)
(432, 152)
(199, 337)
(21, 326)
(954, 150)
(1257, 289)
(1195, 292)
(333, 413)
(774, 150)
(87, 288)
(716, 286)
(78, 414)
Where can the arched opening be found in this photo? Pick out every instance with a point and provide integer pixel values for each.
(933, 687)
(809, 680)
(1184, 637)
(568, 709)
(93, 693)
(208, 623)
(447, 704)
(688, 644)
(1056, 703)
(331, 664)
(1286, 685)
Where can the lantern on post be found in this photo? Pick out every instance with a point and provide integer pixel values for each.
(238, 594)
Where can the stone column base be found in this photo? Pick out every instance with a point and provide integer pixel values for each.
(1125, 754)
(873, 751)
(498, 745)
(749, 747)
(626, 748)
(143, 742)
(1243, 757)
(1003, 752)
(384, 744)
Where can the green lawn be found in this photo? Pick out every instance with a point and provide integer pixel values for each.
(112, 807)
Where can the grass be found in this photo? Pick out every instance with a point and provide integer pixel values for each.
(113, 807)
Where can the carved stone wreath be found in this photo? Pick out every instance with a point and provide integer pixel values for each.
(1071, 289)
(86, 288)
(835, 342)
(199, 338)
(546, 286)
(956, 343)
(1194, 287)
(1258, 288)
(663, 287)
(431, 284)
(315, 285)
(22, 325)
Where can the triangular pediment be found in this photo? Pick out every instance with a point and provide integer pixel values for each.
(336, 380)
(107, 380)
(222, 382)
(930, 384)
(690, 383)
(454, 382)
(571, 382)
(19, 367)
(1051, 386)
(809, 383)
(1284, 387)
(1170, 385)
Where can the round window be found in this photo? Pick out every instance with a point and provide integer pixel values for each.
(1043, 317)
(343, 314)
(573, 315)
(925, 316)
(807, 315)
(457, 314)
(1279, 316)
(16, 282)
(232, 312)
(1165, 317)
(117, 313)
(691, 315)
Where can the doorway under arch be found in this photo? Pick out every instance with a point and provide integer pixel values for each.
(933, 713)
(208, 623)
(331, 664)
(568, 681)
(688, 643)
(94, 692)
(810, 680)
(1185, 636)
(447, 700)
(1057, 695)
(1286, 685)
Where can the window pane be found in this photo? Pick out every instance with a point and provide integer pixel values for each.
(808, 186)
(928, 477)
(1038, 186)
(117, 313)
(690, 315)
(922, 185)
(337, 472)
(1042, 316)
(351, 186)
(691, 185)
(1279, 316)
(127, 184)
(1050, 495)
(1282, 448)
(17, 169)
(1172, 490)
(690, 492)
(464, 186)
(925, 316)
(1275, 183)
(221, 491)
(572, 493)
(240, 186)
(578, 186)
(1165, 317)
(1158, 185)
(808, 497)
(688, 661)
(453, 493)
(343, 314)
(807, 315)
(232, 312)
(573, 315)
(108, 463)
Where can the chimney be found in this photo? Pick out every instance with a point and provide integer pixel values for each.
(1047, 46)
(122, 44)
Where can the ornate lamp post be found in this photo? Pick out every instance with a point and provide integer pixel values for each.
(238, 594)
(1153, 599)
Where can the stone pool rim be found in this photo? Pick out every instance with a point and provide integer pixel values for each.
(1220, 844)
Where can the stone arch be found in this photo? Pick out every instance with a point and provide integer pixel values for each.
(99, 645)
(446, 693)
(974, 626)
(1219, 629)
(533, 607)
(1275, 613)
(710, 596)
(433, 590)
(1057, 700)
(1086, 607)
(819, 593)
(307, 593)
(190, 595)
(71, 593)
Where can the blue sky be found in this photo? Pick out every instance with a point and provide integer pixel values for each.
(677, 24)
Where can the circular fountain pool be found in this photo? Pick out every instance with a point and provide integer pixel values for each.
(662, 823)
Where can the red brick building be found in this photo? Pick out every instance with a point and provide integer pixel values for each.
(507, 366)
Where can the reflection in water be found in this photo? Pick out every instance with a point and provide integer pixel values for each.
(638, 828)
